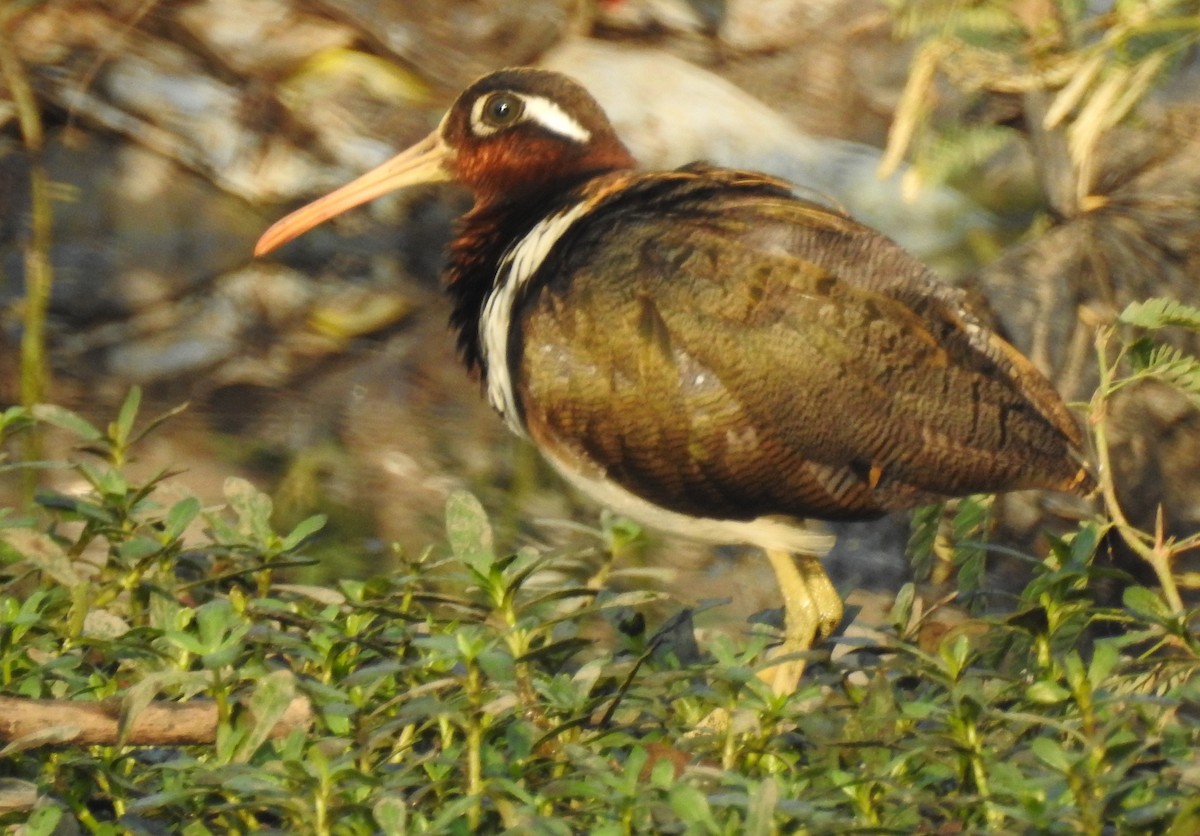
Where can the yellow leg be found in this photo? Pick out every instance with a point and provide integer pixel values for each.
(812, 611)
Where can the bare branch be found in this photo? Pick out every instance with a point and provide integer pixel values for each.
(28, 723)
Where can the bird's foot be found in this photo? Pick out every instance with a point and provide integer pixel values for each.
(812, 610)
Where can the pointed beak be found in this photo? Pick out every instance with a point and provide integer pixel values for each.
(425, 162)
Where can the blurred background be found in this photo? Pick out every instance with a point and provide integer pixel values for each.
(1044, 155)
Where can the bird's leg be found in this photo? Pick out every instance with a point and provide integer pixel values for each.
(812, 611)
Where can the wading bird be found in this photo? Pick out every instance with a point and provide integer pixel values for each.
(704, 351)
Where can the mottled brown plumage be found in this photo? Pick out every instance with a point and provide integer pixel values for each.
(772, 357)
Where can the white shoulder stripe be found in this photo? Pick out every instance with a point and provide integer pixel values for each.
(516, 267)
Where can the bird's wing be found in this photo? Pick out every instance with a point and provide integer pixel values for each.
(767, 356)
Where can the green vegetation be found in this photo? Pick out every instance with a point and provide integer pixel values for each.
(1077, 70)
(461, 694)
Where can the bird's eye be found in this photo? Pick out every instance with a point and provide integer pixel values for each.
(502, 109)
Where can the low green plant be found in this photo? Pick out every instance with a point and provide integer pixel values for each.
(461, 693)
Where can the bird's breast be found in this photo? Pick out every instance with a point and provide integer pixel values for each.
(499, 332)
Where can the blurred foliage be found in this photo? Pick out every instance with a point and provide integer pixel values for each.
(35, 367)
(1127, 357)
(458, 695)
(1076, 69)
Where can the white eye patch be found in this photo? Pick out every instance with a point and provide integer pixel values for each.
(538, 109)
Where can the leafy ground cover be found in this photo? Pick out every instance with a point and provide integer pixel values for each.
(462, 693)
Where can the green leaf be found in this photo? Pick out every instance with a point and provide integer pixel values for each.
(1186, 821)
(760, 815)
(44, 554)
(923, 531)
(1143, 603)
(268, 703)
(662, 774)
(123, 426)
(303, 530)
(470, 641)
(44, 821)
(1174, 368)
(1051, 753)
(972, 519)
(67, 420)
(1072, 664)
(958, 151)
(46, 736)
(955, 654)
(900, 614)
(1141, 352)
(214, 620)
(59, 503)
(138, 548)
(1083, 544)
(180, 517)
(219, 631)
(186, 641)
(469, 532)
(1047, 693)
(918, 710)
(158, 421)
(391, 814)
(693, 810)
(1161, 313)
(107, 480)
(253, 509)
(1105, 657)
(139, 695)
(619, 532)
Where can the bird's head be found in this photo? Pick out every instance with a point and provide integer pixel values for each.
(510, 135)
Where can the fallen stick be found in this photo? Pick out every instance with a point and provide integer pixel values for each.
(31, 722)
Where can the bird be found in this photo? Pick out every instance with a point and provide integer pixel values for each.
(708, 352)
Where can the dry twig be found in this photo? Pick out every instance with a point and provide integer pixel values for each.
(28, 723)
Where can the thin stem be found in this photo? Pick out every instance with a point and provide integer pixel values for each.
(1155, 551)
(474, 743)
(38, 274)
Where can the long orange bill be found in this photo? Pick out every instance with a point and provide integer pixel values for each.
(425, 162)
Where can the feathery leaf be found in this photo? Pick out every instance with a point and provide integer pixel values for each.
(1161, 313)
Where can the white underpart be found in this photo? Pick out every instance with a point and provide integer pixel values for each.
(538, 109)
(780, 533)
(516, 267)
